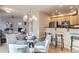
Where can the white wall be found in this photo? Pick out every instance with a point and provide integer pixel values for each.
(1, 24)
(43, 22)
(4, 18)
(36, 24)
(15, 21)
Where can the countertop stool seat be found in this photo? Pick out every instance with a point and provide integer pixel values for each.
(74, 41)
(61, 38)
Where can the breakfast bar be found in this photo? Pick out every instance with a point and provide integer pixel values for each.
(67, 33)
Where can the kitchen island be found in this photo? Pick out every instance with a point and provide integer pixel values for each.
(67, 33)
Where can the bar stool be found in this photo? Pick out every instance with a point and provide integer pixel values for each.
(51, 36)
(56, 40)
(73, 39)
(52, 31)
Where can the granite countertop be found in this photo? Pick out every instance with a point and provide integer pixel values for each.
(67, 28)
(74, 28)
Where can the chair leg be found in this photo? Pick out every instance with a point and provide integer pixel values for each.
(71, 43)
(62, 42)
(55, 40)
(52, 40)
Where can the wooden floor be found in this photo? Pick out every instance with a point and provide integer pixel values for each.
(52, 49)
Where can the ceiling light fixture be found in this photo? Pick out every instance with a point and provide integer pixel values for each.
(59, 12)
(72, 13)
(60, 5)
(72, 10)
(7, 10)
(56, 10)
(29, 18)
(71, 7)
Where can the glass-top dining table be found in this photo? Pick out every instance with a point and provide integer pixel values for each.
(29, 43)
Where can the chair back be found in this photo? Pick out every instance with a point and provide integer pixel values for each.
(33, 34)
(10, 38)
(48, 37)
(47, 41)
(14, 48)
(74, 35)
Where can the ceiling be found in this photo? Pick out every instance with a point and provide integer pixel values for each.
(50, 10)
(60, 9)
(21, 9)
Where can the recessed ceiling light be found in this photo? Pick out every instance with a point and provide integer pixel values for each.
(60, 5)
(72, 10)
(59, 12)
(56, 10)
(71, 7)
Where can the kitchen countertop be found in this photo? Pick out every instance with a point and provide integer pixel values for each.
(67, 28)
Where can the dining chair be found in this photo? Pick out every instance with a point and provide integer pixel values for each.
(44, 45)
(74, 44)
(74, 36)
(34, 34)
(14, 48)
(59, 38)
(10, 38)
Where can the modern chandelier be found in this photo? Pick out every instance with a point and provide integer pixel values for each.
(28, 19)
